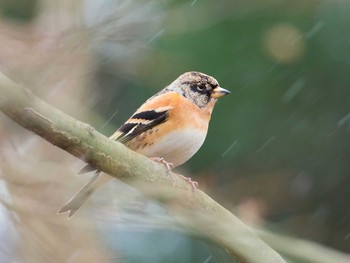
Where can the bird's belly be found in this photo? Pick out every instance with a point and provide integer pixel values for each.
(176, 147)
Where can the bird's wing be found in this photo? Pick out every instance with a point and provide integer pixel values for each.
(140, 122)
(152, 113)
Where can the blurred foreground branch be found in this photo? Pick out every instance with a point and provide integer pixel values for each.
(302, 250)
(196, 212)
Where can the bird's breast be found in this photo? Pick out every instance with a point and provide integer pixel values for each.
(176, 147)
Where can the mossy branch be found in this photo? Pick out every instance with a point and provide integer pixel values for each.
(205, 216)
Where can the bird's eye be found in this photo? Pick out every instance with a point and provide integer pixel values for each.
(201, 88)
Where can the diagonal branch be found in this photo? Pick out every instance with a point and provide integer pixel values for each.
(205, 216)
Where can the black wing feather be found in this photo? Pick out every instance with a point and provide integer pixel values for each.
(148, 115)
(131, 130)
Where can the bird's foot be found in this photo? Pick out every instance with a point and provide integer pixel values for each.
(194, 184)
(168, 165)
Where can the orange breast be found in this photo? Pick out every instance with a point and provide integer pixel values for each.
(182, 115)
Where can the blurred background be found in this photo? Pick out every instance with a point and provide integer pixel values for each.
(278, 149)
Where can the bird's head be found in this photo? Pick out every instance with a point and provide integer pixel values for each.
(198, 87)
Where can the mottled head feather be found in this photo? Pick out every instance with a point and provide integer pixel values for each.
(194, 86)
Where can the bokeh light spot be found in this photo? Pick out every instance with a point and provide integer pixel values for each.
(284, 43)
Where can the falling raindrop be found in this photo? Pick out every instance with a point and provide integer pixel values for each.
(293, 91)
(193, 2)
(208, 259)
(345, 120)
(229, 148)
(265, 144)
(315, 29)
(158, 34)
(108, 121)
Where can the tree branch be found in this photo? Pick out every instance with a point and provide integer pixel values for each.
(302, 250)
(205, 216)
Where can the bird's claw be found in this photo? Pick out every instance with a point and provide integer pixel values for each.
(194, 184)
(168, 165)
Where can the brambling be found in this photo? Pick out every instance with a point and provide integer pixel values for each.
(169, 127)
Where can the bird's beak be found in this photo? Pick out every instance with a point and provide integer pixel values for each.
(218, 92)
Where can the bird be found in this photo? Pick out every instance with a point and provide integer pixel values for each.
(170, 127)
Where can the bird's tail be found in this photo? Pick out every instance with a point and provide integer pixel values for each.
(73, 205)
